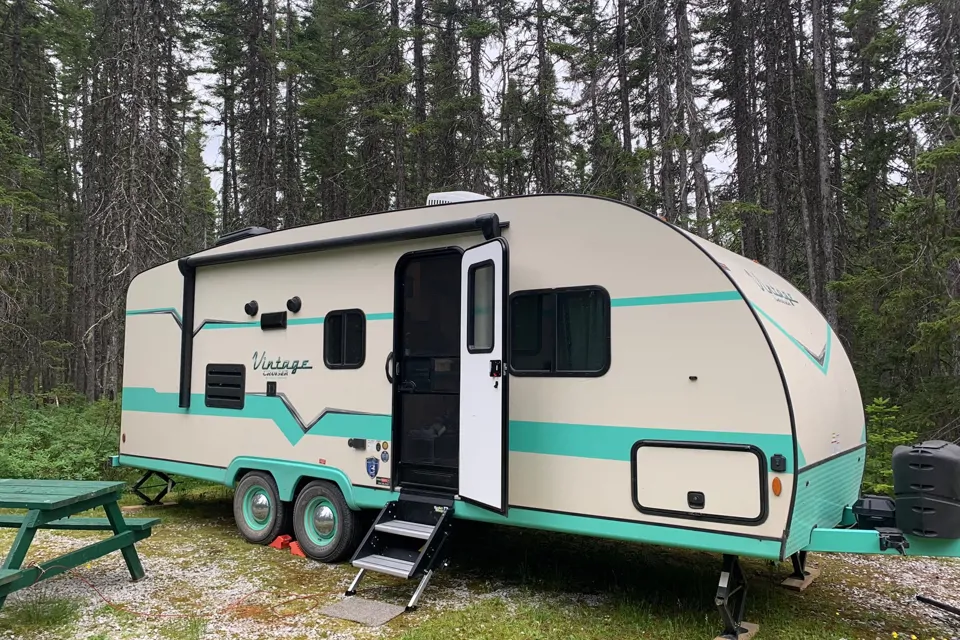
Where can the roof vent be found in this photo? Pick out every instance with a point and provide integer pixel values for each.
(240, 234)
(446, 197)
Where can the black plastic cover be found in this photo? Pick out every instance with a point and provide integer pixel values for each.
(240, 234)
(928, 516)
(875, 511)
(926, 481)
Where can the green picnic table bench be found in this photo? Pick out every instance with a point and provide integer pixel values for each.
(50, 505)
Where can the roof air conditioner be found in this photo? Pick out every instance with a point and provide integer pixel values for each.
(446, 197)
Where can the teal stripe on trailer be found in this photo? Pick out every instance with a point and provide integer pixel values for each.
(344, 425)
(822, 493)
(614, 443)
(826, 348)
(670, 536)
(550, 438)
(680, 298)
(867, 541)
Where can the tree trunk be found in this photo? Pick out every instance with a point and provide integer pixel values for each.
(630, 195)
(688, 97)
(419, 103)
(665, 110)
(743, 127)
(823, 164)
(807, 218)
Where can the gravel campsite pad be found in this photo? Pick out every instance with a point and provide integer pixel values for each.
(203, 581)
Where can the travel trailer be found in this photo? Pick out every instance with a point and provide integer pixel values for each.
(559, 362)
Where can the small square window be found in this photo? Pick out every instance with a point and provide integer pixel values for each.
(344, 339)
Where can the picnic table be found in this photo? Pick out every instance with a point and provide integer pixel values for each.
(50, 505)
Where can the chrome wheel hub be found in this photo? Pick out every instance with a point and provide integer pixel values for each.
(323, 520)
(260, 507)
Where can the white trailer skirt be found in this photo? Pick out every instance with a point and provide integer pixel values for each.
(702, 481)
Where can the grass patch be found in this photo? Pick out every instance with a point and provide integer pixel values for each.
(498, 619)
(38, 613)
(187, 629)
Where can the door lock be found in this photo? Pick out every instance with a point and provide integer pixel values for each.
(496, 368)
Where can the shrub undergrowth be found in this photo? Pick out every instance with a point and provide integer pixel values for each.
(58, 436)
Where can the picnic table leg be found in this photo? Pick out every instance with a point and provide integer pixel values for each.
(21, 544)
(129, 553)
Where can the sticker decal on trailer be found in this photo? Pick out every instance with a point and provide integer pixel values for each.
(373, 465)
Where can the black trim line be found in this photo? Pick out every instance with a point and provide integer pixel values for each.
(195, 464)
(186, 333)
(833, 457)
(306, 426)
(489, 224)
(505, 379)
(163, 312)
(702, 446)
(645, 523)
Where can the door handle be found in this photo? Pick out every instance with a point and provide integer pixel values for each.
(388, 366)
(407, 385)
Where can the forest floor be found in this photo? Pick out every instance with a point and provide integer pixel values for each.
(204, 582)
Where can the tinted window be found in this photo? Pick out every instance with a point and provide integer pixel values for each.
(582, 324)
(563, 332)
(481, 308)
(344, 339)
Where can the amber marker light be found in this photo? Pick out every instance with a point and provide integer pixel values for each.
(777, 486)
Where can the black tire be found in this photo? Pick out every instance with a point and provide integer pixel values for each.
(331, 546)
(253, 529)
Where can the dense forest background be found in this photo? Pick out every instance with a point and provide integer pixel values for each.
(819, 137)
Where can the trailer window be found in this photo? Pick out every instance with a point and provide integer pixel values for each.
(344, 338)
(480, 307)
(560, 332)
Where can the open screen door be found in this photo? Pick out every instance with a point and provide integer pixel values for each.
(483, 376)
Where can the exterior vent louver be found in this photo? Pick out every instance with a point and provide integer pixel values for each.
(225, 386)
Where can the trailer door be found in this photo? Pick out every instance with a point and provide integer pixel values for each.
(483, 375)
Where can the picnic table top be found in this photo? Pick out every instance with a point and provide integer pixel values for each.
(51, 494)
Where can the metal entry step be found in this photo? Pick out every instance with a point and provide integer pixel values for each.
(404, 528)
(384, 564)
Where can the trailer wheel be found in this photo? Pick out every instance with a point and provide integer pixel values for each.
(323, 524)
(257, 508)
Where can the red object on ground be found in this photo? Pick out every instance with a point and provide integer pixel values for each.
(282, 542)
(296, 550)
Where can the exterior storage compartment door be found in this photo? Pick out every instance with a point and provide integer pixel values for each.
(483, 378)
(700, 481)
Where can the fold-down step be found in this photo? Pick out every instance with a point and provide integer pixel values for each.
(404, 528)
(407, 540)
(384, 564)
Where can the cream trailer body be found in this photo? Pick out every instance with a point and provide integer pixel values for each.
(559, 362)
